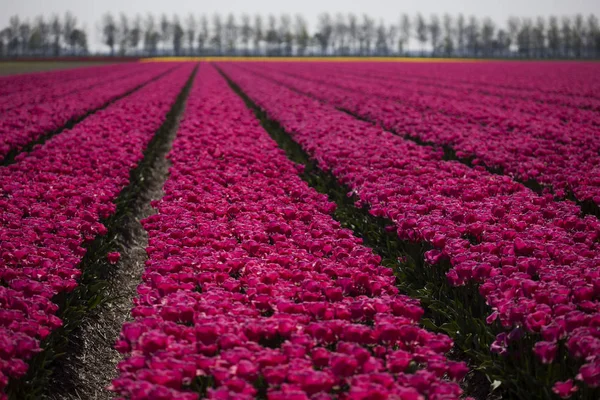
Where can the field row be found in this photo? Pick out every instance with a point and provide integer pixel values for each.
(535, 260)
(254, 287)
(534, 146)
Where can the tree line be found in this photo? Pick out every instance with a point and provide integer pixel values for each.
(43, 37)
(341, 34)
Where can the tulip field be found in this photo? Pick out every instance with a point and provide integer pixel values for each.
(325, 230)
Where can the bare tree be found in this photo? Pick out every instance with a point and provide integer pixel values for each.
(435, 32)
(178, 35)
(151, 36)
(285, 33)
(502, 42)
(324, 31)
(217, 38)
(461, 34)
(592, 40)
(421, 31)
(553, 36)
(69, 23)
(340, 34)
(203, 35)
(367, 34)
(448, 41)
(392, 38)
(123, 34)
(513, 26)
(487, 36)
(473, 36)
(135, 35)
(352, 32)
(567, 36)
(24, 34)
(258, 33)
(190, 29)
(404, 40)
(539, 37)
(109, 32)
(231, 32)
(272, 36)
(524, 38)
(578, 35)
(302, 36)
(245, 32)
(165, 31)
(380, 41)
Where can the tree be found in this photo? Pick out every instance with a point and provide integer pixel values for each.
(165, 31)
(324, 31)
(434, 33)
(203, 35)
(35, 41)
(473, 36)
(302, 36)
(217, 38)
(404, 33)
(271, 36)
(538, 37)
(258, 33)
(78, 39)
(340, 34)
(448, 41)
(151, 36)
(24, 34)
(524, 38)
(553, 36)
(421, 31)
(245, 32)
(231, 34)
(487, 36)
(578, 35)
(461, 34)
(109, 32)
(502, 42)
(69, 24)
(190, 29)
(367, 34)
(392, 37)
(592, 40)
(178, 35)
(352, 32)
(567, 36)
(513, 26)
(285, 33)
(43, 30)
(381, 42)
(123, 34)
(135, 35)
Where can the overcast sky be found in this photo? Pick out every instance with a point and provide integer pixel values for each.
(89, 12)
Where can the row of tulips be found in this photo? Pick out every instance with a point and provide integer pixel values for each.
(486, 106)
(23, 125)
(556, 157)
(14, 84)
(537, 263)
(527, 99)
(52, 203)
(252, 289)
(59, 88)
(575, 80)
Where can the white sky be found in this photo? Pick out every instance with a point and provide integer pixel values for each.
(89, 12)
